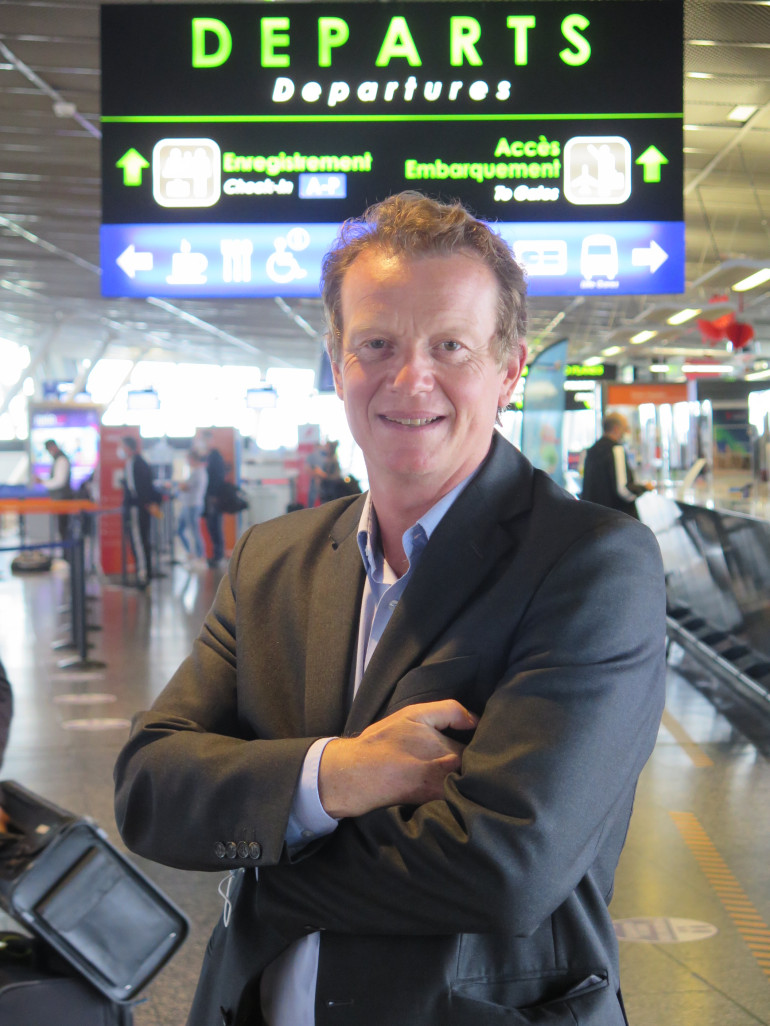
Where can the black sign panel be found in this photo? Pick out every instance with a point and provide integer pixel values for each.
(237, 136)
(463, 99)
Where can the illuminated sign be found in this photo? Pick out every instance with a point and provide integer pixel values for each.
(188, 259)
(75, 429)
(596, 371)
(232, 131)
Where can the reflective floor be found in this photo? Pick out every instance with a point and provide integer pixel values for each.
(692, 902)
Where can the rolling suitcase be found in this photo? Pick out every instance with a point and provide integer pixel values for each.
(37, 988)
(62, 879)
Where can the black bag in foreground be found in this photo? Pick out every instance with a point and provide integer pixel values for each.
(65, 882)
(38, 988)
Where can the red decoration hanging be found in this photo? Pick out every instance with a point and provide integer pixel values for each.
(740, 334)
(711, 331)
(715, 330)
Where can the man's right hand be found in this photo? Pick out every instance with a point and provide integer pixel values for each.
(400, 760)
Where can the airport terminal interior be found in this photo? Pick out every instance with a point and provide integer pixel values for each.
(85, 647)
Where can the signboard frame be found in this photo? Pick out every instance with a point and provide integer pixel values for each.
(236, 137)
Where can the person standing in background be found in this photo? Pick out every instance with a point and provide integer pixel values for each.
(607, 475)
(58, 485)
(315, 462)
(216, 468)
(139, 495)
(327, 476)
(192, 502)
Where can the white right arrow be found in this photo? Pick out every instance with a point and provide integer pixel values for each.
(130, 261)
(651, 257)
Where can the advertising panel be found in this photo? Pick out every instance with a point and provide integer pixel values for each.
(75, 429)
(544, 407)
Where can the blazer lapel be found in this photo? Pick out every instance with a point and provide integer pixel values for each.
(333, 627)
(463, 550)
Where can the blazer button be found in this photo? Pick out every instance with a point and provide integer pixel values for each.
(243, 850)
(255, 850)
(231, 849)
(219, 850)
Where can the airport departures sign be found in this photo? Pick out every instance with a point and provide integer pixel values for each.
(236, 137)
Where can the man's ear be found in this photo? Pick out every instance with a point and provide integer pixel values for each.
(513, 370)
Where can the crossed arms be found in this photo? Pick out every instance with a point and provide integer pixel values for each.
(520, 811)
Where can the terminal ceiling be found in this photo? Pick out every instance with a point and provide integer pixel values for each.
(50, 210)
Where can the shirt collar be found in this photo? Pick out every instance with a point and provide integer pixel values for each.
(414, 538)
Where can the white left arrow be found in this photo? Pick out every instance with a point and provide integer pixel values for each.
(130, 261)
(651, 257)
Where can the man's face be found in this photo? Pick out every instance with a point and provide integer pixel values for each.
(417, 372)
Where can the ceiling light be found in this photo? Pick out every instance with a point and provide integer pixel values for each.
(758, 375)
(753, 280)
(642, 336)
(682, 316)
(699, 74)
(63, 109)
(731, 272)
(592, 361)
(612, 351)
(742, 112)
(659, 368)
(706, 368)
(702, 42)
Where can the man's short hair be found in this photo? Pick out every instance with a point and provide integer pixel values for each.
(413, 225)
(613, 420)
(130, 441)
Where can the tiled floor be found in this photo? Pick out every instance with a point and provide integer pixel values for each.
(693, 887)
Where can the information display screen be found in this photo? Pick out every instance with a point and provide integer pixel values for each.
(236, 137)
(75, 429)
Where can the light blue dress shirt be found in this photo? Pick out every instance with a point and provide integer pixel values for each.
(289, 983)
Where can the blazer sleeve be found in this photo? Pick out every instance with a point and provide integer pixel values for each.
(546, 783)
(192, 775)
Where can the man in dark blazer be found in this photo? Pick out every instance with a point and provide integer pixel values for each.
(607, 475)
(412, 724)
(140, 498)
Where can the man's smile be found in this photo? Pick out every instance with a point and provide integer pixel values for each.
(411, 421)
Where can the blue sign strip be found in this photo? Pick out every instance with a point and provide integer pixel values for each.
(197, 261)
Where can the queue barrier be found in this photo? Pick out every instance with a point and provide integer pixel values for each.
(78, 510)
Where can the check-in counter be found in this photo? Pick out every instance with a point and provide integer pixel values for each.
(717, 565)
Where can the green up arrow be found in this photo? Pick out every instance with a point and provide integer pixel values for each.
(132, 163)
(651, 160)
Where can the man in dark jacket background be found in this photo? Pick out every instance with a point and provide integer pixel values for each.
(139, 498)
(607, 475)
(216, 468)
